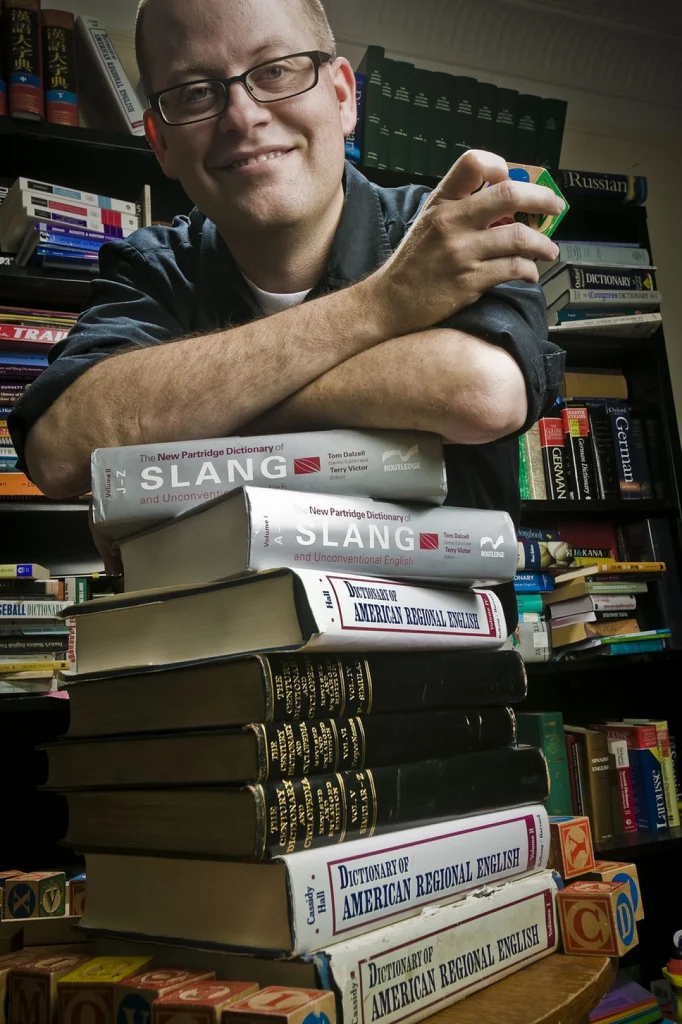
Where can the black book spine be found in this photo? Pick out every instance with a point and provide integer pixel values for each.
(292, 749)
(618, 188)
(578, 444)
(10, 645)
(304, 813)
(604, 454)
(612, 278)
(307, 686)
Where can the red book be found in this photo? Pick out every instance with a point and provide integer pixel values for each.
(24, 59)
(619, 749)
(554, 457)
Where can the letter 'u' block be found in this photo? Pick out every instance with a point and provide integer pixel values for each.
(86, 995)
(202, 1003)
(615, 871)
(133, 997)
(571, 852)
(39, 894)
(277, 1005)
(33, 988)
(597, 918)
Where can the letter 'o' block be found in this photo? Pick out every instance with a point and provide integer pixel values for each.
(201, 1003)
(39, 894)
(571, 852)
(277, 1005)
(615, 871)
(597, 918)
(86, 995)
(133, 997)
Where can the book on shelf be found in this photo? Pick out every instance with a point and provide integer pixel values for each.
(578, 447)
(505, 122)
(551, 133)
(23, 571)
(593, 767)
(59, 67)
(109, 102)
(371, 68)
(18, 214)
(616, 188)
(553, 449)
(24, 57)
(578, 277)
(587, 617)
(584, 586)
(533, 582)
(618, 749)
(354, 141)
(528, 119)
(646, 771)
(139, 486)
(533, 460)
(531, 640)
(593, 604)
(401, 116)
(663, 738)
(610, 301)
(543, 555)
(423, 87)
(546, 730)
(463, 111)
(608, 254)
(634, 325)
(594, 384)
(386, 114)
(30, 185)
(267, 907)
(624, 571)
(485, 115)
(440, 133)
(253, 528)
(576, 632)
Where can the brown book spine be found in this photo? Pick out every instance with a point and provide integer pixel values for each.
(24, 59)
(3, 78)
(595, 766)
(59, 61)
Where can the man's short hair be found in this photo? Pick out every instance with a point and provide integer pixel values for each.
(312, 10)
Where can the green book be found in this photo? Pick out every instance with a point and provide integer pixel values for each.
(487, 102)
(545, 729)
(505, 123)
(528, 114)
(403, 73)
(530, 603)
(464, 108)
(552, 121)
(386, 122)
(372, 65)
(524, 479)
(441, 133)
(423, 88)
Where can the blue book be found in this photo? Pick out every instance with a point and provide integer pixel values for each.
(535, 533)
(354, 140)
(533, 582)
(637, 646)
(568, 315)
(43, 227)
(647, 784)
(62, 241)
(22, 359)
(57, 252)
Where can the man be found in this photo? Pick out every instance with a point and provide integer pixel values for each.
(389, 307)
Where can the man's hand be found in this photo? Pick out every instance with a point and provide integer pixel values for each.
(451, 256)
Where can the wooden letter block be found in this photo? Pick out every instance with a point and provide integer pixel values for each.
(86, 995)
(277, 1005)
(33, 988)
(7, 964)
(202, 1003)
(76, 896)
(614, 871)
(571, 852)
(597, 918)
(133, 997)
(39, 894)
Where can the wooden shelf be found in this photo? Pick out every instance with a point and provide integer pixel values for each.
(29, 285)
(9, 506)
(600, 508)
(666, 841)
(88, 138)
(606, 664)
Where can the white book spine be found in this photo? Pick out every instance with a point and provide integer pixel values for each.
(93, 34)
(98, 214)
(31, 609)
(408, 970)
(136, 487)
(609, 255)
(61, 192)
(90, 219)
(337, 893)
(580, 298)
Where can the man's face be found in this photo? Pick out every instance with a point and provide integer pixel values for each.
(304, 136)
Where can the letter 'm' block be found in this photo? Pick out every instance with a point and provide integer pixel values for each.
(133, 997)
(33, 988)
(278, 1005)
(38, 894)
(9, 963)
(86, 995)
(202, 1003)
(571, 852)
(615, 871)
(597, 918)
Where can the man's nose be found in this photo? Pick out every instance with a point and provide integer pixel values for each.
(243, 112)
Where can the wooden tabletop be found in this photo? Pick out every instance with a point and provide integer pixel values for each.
(557, 990)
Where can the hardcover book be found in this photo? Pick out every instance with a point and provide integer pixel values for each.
(554, 455)
(59, 63)
(57, 192)
(440, 133)
(423, 86)
(604, 253)
(24, 59)
(386, 114)
(619, 751)
(607, 301)
(619, 188)
(551, 133)
(371, 66)
(575, 277)
(663, 738)
(528, 118)
(138, 486)
(485, 114)
(546, 730)
(463, 109)
(630, 457)
(576, 425)
(593, 756)
(110, 102)
(253, 529)
(403, 73)
(505, 122)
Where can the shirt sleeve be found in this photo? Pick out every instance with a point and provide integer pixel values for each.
(128, 309)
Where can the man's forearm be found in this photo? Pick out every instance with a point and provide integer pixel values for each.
(443, 381)
(196, 387)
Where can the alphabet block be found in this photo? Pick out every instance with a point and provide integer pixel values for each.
(75, 891)
(278, 1005)
(33, 987)
(571, 852)
(597, 918)
(133, 997)
(202, 1003)
(86, 995)
(38, 894)
(7, 964)
(615, 871)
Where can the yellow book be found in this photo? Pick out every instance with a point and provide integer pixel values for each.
(7, 667)
(607, 568)
(578, 631)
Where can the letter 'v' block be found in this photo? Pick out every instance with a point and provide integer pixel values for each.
(201, 1003)
(33, 988)
(277, 1005)
(597, 918)
(86, 995)
(133, 997)
(571, 853)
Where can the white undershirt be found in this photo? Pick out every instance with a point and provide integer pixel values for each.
(275, 302)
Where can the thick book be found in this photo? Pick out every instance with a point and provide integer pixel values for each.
(505, 122)
(266, 751)
(553, 447)
(543, 555)
(42, 233)
(617, 188)
(23, 571)
(630, 457)
(663, 737)
(24, 55)
(440, 131)
(533, 582)
(110, 102)
(485, 115)
(301, 903)
(590, 253)
(386, 114)
(619, 751)
(594, 587)
(562, 635)
(272, 818)
(534, 460)
(603, 448)
(13, 608)
(254, 528)
(528, 118)
(283, 609)
(371, 67)
(579, 449)
(595, 604)
(546, 730)
(551, 133)
(46, 188)
(292, 688)
(12, 586)
(606, 299)
(577, 276)
(403, 73)
(91, 221)
(423, 86)
(141, 485)
(59, 68)
(599, 617)
(463, 111)
(354, 141)
(20, 645)
(593, 755)
(646, 771)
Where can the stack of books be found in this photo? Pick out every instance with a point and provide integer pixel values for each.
(626, 1003)
(330, 751)
(33, 639)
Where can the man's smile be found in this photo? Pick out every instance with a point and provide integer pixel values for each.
(258, 158)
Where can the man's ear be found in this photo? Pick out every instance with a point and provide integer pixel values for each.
(344, 85)
(154, 130)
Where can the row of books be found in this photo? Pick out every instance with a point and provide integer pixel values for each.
(418, 122)
(51, 65)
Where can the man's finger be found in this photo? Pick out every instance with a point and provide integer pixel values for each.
(509, 268)
(473, 169)
(504, 200)
(511, 240)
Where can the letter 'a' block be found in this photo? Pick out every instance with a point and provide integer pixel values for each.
(86, 995)
(33, 988)
(571, 852)
(277, 1005)
(39, 894)
(597, 918)
(615, 871)
(133, 997)
(202, 1003)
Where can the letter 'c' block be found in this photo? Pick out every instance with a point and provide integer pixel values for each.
(277, 1005)
(597, 918)
(201, 1003)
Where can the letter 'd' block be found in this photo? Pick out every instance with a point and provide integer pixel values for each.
(597, 918)
(277, 1005)
(86, 995)
(614, 871)
(133, 997)
(202, 1003)
(571, 852)
(33, 988)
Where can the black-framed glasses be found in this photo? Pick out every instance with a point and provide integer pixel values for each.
(267, 83)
